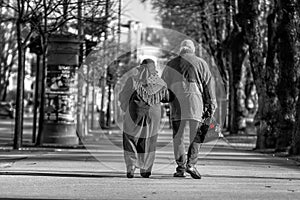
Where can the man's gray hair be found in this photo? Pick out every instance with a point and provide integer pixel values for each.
(187, 46)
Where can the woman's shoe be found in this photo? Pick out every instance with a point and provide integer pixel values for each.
(130, 174)
(179, 174)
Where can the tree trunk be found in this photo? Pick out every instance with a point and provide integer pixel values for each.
(238, 50)
(270, 108)
(238, 53)
(44, 40)
(287, 88)
(267, 116)
(296, 134)
(220, 27)
(250, 14)
(18, 132)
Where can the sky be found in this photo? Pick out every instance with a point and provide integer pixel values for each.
(143, 12)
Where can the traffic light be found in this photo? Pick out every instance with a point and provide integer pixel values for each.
(35, 45)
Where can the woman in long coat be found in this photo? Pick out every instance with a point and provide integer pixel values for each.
(140, 100)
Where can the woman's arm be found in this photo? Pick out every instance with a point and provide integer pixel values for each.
(126, 93)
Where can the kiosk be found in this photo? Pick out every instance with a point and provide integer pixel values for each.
(59, 125)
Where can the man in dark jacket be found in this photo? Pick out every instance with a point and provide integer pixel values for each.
(192, 99)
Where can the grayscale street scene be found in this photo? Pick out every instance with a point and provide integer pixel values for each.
(149, 99)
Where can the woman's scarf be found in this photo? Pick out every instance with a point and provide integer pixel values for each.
(149, 86)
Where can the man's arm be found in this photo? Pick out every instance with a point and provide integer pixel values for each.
(165, 74)
(209, 88)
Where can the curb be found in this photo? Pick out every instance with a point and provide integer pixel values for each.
(63, 174)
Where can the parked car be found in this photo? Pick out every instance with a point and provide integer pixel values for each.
(7, 109)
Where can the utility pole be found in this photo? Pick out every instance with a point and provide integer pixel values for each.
(93, 99)
(80, 78)
(102, 118)
(87, 82)
(108, 112)
(36, 97)
(35, 47)
(119, 27)
(86, 108)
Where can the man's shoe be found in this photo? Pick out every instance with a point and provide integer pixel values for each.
(145, 174)
(193, 172)
(179, 174)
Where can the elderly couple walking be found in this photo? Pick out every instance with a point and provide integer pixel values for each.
(188, 86)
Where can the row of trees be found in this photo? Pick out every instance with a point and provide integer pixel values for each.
(38, 19)
(255, 45)
(27, 24)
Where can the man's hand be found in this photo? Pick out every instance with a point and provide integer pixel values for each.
(208, 112)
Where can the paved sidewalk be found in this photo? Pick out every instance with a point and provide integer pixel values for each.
(228, 173)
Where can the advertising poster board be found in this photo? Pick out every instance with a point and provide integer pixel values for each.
(60, 94)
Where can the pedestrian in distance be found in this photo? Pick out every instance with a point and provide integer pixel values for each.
(140, 100)
(192, 99)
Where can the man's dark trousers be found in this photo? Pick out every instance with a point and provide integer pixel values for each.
(197, 135)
